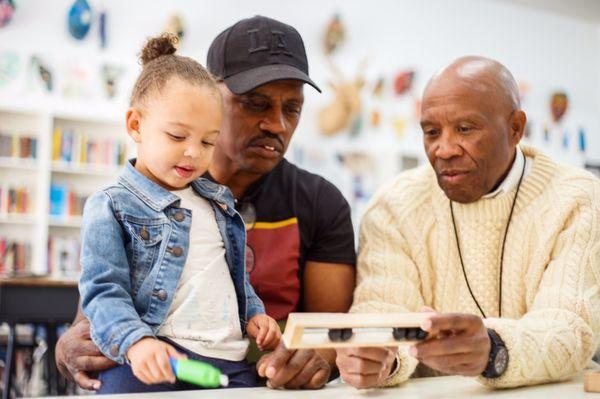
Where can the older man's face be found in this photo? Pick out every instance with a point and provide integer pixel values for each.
(257, 126)
(467, 137)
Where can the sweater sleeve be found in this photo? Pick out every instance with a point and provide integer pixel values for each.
(558, 335)
(388, 280)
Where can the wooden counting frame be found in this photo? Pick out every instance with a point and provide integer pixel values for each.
(339, 330)
(591, 381)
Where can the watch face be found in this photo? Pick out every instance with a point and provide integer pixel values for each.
(501, 361)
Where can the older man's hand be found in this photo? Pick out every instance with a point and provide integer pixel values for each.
(365, 367)
(77, 356)
(294, 369)
(461, 345)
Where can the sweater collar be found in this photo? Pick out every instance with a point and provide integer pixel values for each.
(541, 172)
(514, 175)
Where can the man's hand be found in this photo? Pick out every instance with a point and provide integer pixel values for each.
(460, 344)
(294, 369)
(77, 357)
(365, 367)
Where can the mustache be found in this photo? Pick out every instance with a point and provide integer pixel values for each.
(267, 138)
(451, 167)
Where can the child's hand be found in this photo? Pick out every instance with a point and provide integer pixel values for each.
(265, 330)
(149, 360)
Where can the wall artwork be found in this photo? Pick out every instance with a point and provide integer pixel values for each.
(344, 111)
(7, 11)
(10, 66)
(79, 19)
(335, 35)
(176, 27)
(403, 82)
(111, 78)
(559, 103)
(77, 83)
(41, 74)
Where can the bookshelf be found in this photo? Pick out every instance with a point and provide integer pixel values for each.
(55, 160)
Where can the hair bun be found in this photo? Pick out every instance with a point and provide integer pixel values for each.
(157, 47)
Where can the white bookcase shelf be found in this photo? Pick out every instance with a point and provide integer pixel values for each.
(62, 221)
(18, 163)
(22, 219)
(84, 170)
(38, 227)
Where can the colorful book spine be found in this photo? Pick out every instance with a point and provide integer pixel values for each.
(14, 199)
(63, 256)
(15, 257)
(64, 201)
(80, 148)
(14, 153)
(66, 151)
(57, 200)
(17, 145)
(56, 145)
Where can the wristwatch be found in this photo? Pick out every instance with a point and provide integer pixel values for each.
(498, 361)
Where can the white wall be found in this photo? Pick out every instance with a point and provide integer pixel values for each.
(544, 50)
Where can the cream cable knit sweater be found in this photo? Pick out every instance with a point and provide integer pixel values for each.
(550, 294)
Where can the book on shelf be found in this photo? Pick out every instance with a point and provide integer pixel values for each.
(63, 256)
(15, 256)
(81, 149)
(64, 201)
(18, 145)
(14, 200)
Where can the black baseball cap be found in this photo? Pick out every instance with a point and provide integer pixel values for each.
(257, 51)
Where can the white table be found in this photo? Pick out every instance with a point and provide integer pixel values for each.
(430, 388)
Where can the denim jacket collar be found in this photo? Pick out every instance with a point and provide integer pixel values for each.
(159, 198)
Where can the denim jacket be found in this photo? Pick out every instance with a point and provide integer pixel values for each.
(135, 241)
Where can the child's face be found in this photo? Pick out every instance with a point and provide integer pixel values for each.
(176, 131)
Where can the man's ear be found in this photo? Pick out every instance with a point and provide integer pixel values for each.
(133, 120)
(517, 124)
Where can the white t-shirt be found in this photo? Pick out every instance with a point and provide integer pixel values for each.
(203, 317)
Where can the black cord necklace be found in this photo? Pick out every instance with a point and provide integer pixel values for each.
(512, 208)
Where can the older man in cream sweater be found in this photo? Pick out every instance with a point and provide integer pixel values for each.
(496, 238)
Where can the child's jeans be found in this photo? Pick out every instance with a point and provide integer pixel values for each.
(120, 379)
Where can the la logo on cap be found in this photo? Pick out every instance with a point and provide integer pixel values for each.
(273, 40)
(257, 51)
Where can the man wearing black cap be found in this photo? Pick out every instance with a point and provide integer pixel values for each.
(300, 252)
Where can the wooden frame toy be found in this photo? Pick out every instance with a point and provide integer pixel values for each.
(591, 381)
(339, 330)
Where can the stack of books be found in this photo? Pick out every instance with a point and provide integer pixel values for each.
(63, 256)
(65, 202)
(15, 257)
(81, 149)
(14, 200)
(17, 145)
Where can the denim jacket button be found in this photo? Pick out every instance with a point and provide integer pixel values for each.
(179, 216)
(144, 234)
(162, 295)
(114, 350)
(177, 252)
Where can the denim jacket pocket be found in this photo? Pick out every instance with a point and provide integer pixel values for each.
(147, 234)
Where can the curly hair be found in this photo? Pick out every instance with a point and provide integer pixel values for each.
(160, 63)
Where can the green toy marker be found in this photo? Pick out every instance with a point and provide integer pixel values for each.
(199, 373)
